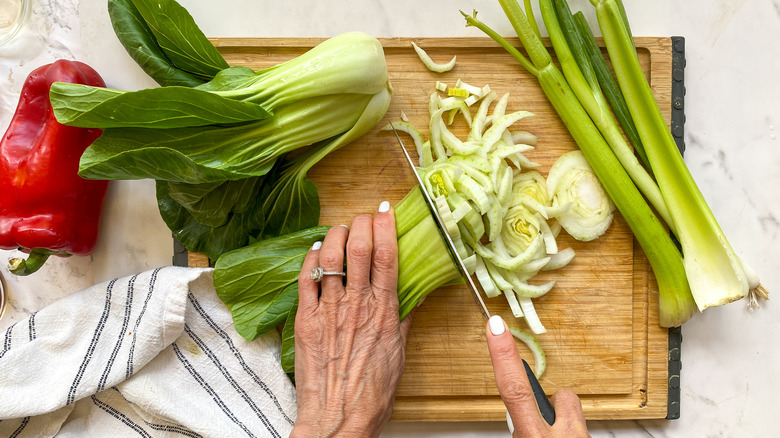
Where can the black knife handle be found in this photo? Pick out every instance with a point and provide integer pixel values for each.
(545, 407)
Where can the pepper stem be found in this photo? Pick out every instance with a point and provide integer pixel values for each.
(22, 267)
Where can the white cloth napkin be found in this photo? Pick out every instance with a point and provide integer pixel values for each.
(152, 355)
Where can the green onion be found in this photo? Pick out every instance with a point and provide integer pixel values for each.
(580, 74)
(610, 87)
(714, 271)
(676, 303)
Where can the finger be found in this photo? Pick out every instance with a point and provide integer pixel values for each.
(308, 290)
(511, 380)
(359, 247)
(332, 259)
(568, 409)
(384, 269)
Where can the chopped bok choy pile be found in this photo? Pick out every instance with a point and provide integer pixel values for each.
(578, 200)
(494, 204)
(649, 184)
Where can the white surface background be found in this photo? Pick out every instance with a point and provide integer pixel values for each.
(729, 382)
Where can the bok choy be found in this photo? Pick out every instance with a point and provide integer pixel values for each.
(222, 142)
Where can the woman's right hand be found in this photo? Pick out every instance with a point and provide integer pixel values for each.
(515, 390)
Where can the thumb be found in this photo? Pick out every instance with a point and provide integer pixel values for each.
(569, 410)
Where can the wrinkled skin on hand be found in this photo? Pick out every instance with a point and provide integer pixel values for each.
(349, 343)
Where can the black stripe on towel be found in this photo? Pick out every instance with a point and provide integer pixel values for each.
(173, 429)
(31, 327)
(121, 417)
(21, 427)
(222, 334)
(121, 334)
(226, 374)
(7, 343)
(214, 396)
(152, 281)
(93, 344)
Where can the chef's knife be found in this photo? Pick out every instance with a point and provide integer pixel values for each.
(546, 409)
(464, 272)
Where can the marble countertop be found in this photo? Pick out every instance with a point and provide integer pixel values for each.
(730, 356)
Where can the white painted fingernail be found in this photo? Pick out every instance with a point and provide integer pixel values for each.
(384, 207)
(317, 245)
(496, 325)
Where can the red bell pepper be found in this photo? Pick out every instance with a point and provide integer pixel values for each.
(46, 208)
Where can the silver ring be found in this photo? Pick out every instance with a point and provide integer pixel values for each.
(317, 274)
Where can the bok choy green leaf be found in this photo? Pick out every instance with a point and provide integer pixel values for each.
(215, 153)
(239, 223)
(161, 62)
(259, 282)
(179, 37)
(159, 108)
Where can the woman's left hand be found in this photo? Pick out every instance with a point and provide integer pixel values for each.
(349, 343)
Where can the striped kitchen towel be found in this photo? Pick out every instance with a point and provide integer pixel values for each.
(152, 355)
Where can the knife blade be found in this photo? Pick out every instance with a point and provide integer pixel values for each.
(545, 407)
(443, 230)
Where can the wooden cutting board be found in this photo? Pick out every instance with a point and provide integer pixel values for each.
(603, 339)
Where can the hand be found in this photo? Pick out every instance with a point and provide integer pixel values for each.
(518, 396)
(349, 343)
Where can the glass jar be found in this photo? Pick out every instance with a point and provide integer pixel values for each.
(14, 15)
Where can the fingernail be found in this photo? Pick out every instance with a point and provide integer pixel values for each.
(317, 245)
(384, 207)
(345, 226)
(496, 325)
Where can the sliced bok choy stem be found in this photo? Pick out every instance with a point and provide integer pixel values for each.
(540, 359)
(492, 211)
(715, 273)
(410, 129)
(587, 211)
(676, 302)
(430, 64)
